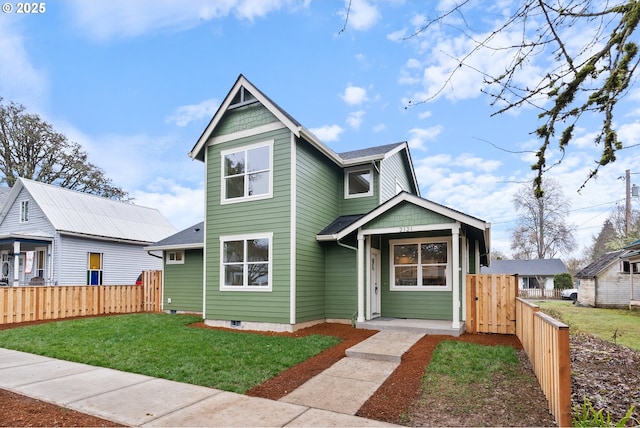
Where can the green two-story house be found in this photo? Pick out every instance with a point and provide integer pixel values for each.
(296, 234)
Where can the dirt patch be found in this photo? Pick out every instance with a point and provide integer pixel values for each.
(607, 374)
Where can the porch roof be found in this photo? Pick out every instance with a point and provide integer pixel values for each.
(345, 225)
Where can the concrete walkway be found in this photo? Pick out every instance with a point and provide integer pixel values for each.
(330, 399)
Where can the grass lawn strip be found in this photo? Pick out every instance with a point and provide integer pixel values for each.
(163, 346)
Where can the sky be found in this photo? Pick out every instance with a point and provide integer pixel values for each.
(136, 83)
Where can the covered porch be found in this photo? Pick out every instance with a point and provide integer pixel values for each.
(25, 260)
(412, 257)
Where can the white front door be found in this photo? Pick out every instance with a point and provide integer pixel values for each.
(374, 283)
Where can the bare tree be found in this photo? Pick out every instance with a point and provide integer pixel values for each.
(30, 148)
(586, 52)
(542, 231)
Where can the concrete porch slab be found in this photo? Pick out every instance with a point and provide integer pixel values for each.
(441, 327)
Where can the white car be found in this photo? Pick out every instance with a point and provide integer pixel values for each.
(570, 293)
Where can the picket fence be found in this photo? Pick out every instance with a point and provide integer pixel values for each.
(37, 303)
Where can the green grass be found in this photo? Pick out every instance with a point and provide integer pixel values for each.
(466, 363)
(620, 326)
(162, 345)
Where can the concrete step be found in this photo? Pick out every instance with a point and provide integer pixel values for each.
(388, 345)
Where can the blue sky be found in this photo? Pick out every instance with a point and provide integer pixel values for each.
(136, 82)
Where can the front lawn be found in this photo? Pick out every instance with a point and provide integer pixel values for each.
(162, 345)
(620, 326)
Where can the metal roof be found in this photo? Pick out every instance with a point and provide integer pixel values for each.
(542, 267)
(191, 237)
(77, 213)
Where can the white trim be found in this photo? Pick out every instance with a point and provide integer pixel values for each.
(449, 270)
(176, 261)
(274, 126)
(292, 231)
(244, 238)
(192, 246)
(360, 266)
(369, 170)
(204, 246)
(455, 263)
(223, 198)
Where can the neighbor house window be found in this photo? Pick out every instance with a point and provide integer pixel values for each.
(245, 262)
(247, 173)
(94, 269)
(175, 257)
(420, 264)
(358, 183)
(627, 267)
(24, 211)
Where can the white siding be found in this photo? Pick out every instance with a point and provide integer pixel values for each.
(37, 220)
(122, 263)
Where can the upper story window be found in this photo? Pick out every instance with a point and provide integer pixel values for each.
(24, 211)
(247, 173)
(175, 258)
(628, 267)
(420, 264)
(358, 182)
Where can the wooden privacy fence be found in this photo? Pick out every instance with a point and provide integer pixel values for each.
(21, 304)
(491, 303)
(546, 342)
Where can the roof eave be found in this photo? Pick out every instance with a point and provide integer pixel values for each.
(195, 246)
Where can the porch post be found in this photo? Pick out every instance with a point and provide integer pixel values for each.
(360, 267)
(16, 263)
(455, 265)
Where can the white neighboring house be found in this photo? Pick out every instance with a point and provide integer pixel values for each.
(532, 274)
(55, 236)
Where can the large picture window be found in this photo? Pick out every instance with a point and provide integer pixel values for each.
(247, 173)
(420, 264)
(246, 262)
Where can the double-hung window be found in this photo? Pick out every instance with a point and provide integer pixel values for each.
(24, 211)
(175, 257)
(247, 173)
(420, 264)
(246, 262)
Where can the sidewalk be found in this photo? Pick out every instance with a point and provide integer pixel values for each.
(329, 399)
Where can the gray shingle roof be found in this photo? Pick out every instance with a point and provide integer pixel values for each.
(191, 237)
(599, 265)
(369, 151)
(340, 223)
(543, 267)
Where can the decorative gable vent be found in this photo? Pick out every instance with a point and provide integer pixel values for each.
(242, 98)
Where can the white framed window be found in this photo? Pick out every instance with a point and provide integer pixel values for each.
(421, 264)
(175, 258)
(247, 173)
(245, 262)
(94, 268)
(358, 182)
(24, 211)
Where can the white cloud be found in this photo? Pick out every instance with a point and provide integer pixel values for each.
(379, 127)
(354, 95)
(419, 136)
(103, 20)
(355, 119)
(328, 133)
(188, 113)
(20, 80)
(362, 14)
(182, 206)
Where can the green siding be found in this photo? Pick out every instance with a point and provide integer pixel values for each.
(392, 169)
(317, 182)
(342, 282)
(183, 284)
(261, 216)
(244, 118)
(435, 305)
(407, 215)
(363, 204)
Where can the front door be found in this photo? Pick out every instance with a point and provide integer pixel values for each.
(374, 282)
